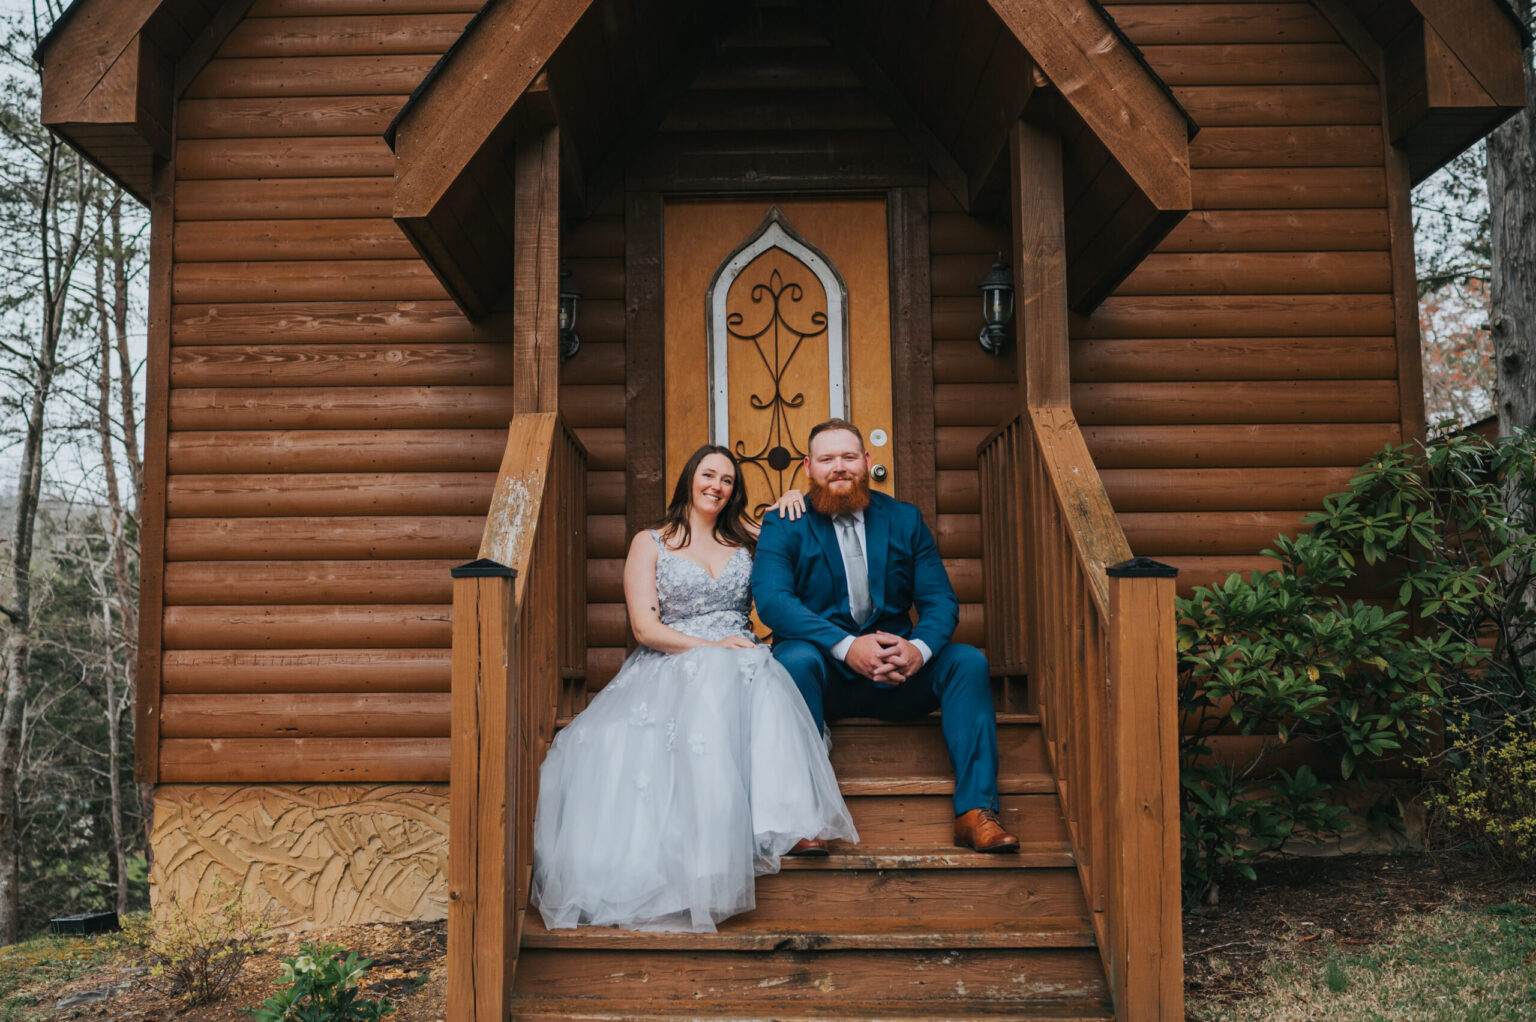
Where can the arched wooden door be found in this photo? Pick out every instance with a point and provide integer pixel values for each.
(777, 317)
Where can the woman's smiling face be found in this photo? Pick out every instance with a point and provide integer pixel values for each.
(713, 482)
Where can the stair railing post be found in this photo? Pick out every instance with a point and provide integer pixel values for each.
(1146, 957)
(482, 871)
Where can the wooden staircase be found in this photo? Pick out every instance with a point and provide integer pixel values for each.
(902, 925)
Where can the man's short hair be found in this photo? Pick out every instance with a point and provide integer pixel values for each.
(829, 426)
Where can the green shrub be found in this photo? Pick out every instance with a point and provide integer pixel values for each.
(195, 958)
(1447, 530)
(320, 984)
(1283, 655)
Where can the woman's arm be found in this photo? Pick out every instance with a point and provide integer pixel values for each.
(644, 606)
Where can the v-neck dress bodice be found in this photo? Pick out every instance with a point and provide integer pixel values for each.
(698, 603)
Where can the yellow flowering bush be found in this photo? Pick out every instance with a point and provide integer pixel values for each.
(195, 957)
(1487, 796)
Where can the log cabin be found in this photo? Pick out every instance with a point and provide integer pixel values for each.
(386, 512)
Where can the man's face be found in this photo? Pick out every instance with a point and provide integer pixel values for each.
(837, 462)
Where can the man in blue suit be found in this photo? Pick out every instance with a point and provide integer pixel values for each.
(837, 587)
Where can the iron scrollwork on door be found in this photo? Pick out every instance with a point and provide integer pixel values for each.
(784, 330)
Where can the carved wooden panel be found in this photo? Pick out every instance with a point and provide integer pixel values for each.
(316, 853)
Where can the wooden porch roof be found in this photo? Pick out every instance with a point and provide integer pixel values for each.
(113, 68)
(452, 137)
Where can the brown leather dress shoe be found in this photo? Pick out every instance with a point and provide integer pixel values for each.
(982, 830)
(811, 846)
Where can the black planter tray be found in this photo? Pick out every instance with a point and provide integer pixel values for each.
(85, 922)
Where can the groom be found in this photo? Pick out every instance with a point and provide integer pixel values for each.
(837, 587)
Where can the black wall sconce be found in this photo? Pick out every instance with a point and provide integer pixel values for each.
(996, 306)
(570, 298)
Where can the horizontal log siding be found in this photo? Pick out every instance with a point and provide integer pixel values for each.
(336, 425)
(973, 391)
(1240, 373)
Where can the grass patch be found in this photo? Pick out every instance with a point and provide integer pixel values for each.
(32, 969)
(1451, 965)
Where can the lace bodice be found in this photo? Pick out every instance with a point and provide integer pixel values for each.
(695, 603)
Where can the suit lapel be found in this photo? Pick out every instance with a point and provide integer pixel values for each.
(826, 534)
(877, 537)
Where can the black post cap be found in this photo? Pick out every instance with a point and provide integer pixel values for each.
(483, 568)
(1142, 567)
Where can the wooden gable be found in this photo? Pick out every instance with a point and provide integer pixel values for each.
(577, 63)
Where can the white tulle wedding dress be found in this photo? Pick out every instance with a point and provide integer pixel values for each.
(688, 775)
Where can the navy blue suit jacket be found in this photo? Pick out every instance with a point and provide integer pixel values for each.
(801, 589)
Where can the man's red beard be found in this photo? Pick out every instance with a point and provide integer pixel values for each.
(832, 504)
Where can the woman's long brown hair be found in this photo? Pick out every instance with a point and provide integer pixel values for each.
(730, 523)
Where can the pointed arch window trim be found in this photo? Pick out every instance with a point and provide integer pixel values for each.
(774, 232)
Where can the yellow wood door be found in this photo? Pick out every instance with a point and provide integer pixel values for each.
(777, 317)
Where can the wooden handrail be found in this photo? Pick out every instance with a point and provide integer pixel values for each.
(1100, 644)
(519, 660)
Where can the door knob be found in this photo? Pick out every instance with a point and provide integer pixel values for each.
(878, 473)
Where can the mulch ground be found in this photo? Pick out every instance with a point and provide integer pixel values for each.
(409, 965)
(1301, 907)
(1298, 907)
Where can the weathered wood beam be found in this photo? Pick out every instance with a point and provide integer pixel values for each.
(1119, 100)
(111, 73)
(80, 53)
(536, 273)
(1450, 76)
(468, 103)
(1485, 39)
(1039, 266)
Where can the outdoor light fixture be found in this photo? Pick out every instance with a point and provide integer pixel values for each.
(996, 306)
(570, 297)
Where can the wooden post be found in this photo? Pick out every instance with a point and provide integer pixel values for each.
(157, 398)
(1145, 958)
(536, 272)
(483, 873)
(1039, 265)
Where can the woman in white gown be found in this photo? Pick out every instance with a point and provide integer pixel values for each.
(698, 765)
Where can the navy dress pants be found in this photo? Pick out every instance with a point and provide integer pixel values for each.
(955, 682)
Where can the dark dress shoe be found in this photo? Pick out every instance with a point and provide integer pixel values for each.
(982, 830)
(810, 846)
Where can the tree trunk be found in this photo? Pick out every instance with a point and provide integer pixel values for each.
(1512, 205)
(60, 251)
(122, 589)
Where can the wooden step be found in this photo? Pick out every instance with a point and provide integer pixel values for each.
(862, 856)
(1035, 983)
(540, 1010)
(809, 934)
(898, 823)
(959, 908)
(912, 759)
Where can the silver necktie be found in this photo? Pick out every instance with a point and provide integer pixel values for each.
(853, 564)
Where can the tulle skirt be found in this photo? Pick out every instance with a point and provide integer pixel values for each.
(687, 776)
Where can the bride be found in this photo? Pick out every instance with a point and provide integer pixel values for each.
(698, 765)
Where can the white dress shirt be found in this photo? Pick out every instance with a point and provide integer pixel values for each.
(840, 651)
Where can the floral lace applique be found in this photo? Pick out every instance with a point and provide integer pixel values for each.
(694, 602)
